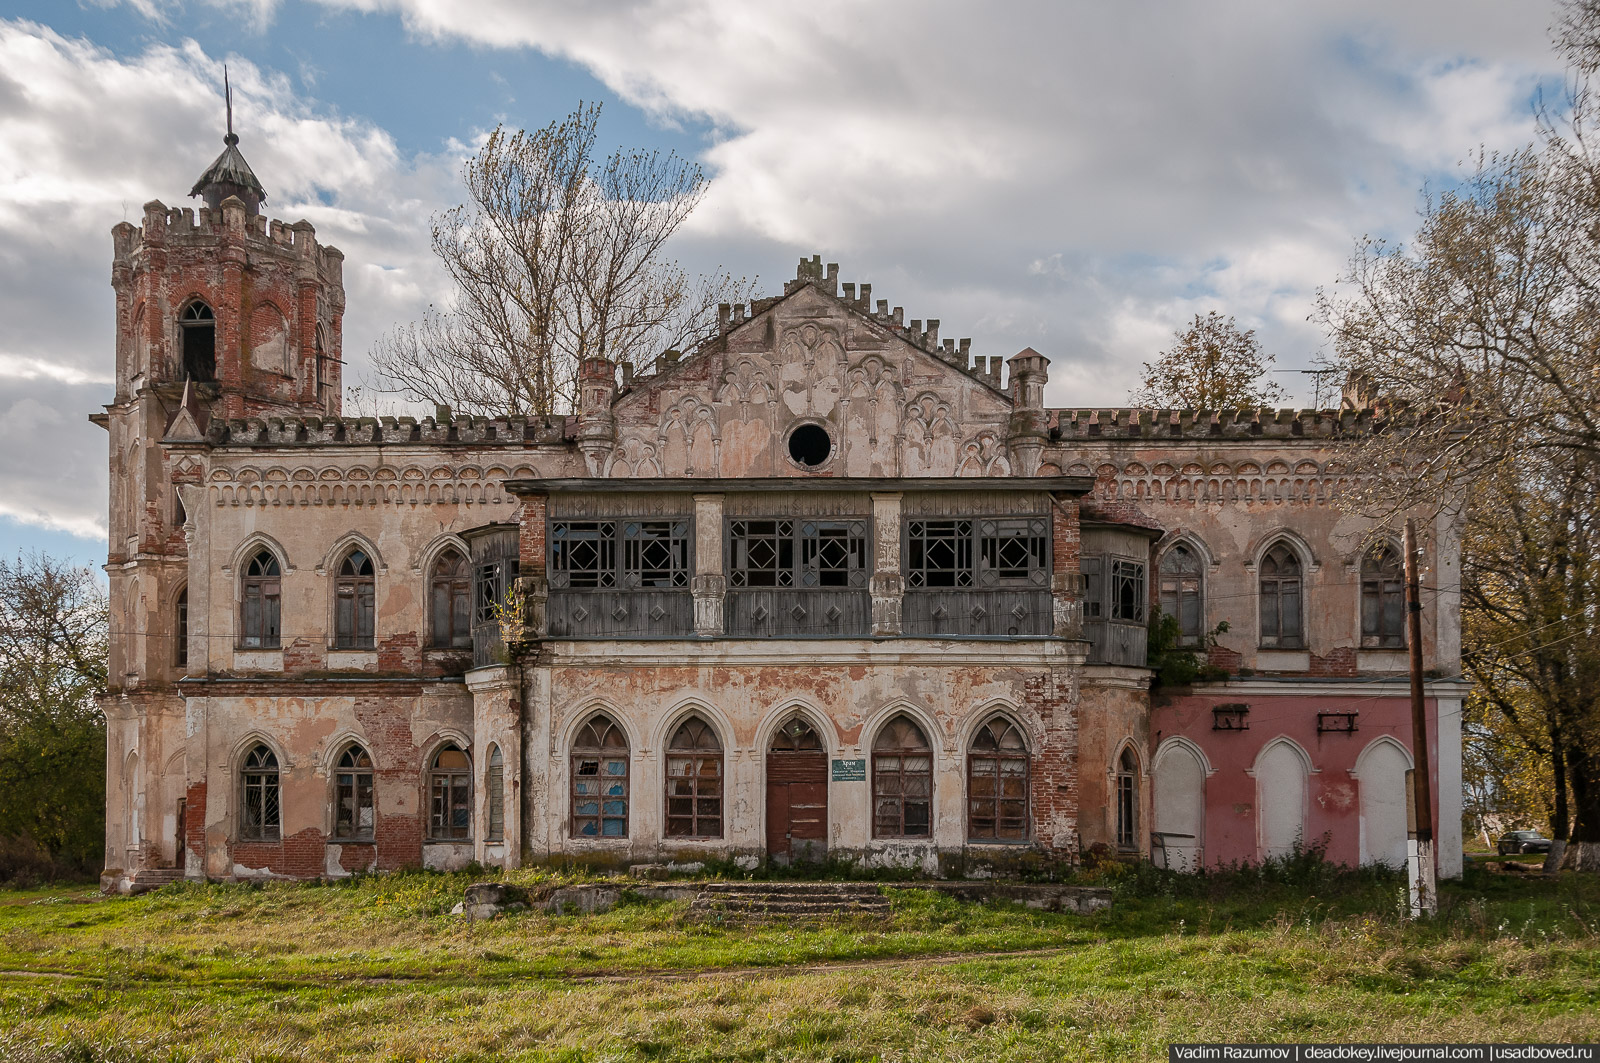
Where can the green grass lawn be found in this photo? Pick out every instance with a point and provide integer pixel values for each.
(377, 969)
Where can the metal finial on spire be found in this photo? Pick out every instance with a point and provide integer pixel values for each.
(227, 95)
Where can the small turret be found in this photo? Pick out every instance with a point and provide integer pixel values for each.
(230, 175)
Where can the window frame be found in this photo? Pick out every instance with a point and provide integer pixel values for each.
(695, 792)
(621, 561)
(1125, 797)
(798, 545)
(457, 589)
(1381, 589)
(976, 546)
(356, 773)
(494, 796)
(996, 798)
(599, 752)
(355, 594)
(261, 776)
(1278, 640)
(192, 322)
(456, 803)
(1172, 594)
(263, 589)
(880, 793)
(180, 629)
(1134, 574)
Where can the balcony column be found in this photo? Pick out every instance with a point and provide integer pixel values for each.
(1065, 575)
(709, 584)
(887, 585)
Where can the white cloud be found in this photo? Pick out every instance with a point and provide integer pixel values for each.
(1076, 176)
(85, 139)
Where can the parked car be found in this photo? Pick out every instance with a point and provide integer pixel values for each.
(1523, 841)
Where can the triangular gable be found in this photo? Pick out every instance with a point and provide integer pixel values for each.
(889, 400)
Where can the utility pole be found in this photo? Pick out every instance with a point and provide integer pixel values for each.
(1424, 891)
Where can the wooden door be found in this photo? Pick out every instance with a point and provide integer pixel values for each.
(797, 805)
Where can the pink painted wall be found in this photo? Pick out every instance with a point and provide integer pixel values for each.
(1333, 795)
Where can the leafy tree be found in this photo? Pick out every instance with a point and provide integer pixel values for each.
(557, 256)
(53, 626)
(1212, 366)
(1480, 345)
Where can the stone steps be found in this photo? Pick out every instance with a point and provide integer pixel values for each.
(151, 878)
(788, 900)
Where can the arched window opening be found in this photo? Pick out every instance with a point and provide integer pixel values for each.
(353, 609)
(450, 600)
(1127, 801)
(600, 781)
(694, 781)
(180, 629)
(199, 327)
(261, 596)
(997, 783)
(352, 801)
(1383, 599)
(260, 800)
(1181, 593)
(902, 781)
(496, 792)
(796, 736)
(1281, 599)
(450, 790)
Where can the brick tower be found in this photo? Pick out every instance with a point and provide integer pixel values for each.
(219, 313)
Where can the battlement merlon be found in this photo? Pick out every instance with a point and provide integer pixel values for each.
(178, 229)
(1243, 424)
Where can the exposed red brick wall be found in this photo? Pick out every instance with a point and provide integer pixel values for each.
(300, 855)
(1339, 662)
(1067, 545)
(530, 546)
(305, 655)
(400, 653)
(1050, 695)
(386, 721)
(194, 824)
(1224, 658)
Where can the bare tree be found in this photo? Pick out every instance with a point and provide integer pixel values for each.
(1213, 366)
(557, 256)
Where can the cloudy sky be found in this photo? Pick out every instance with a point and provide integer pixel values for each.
(1080, 177)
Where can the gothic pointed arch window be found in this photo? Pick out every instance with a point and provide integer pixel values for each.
(354, 614)
(495, 797)
(199, 327)
(997, 783)
(600, 780)
(450, 794)
(1127, 797)
(353, 810)
(694, 781)
(902, 781)
(260, 595)
(260, 796)
(1383, 598)
(1282, 599)
(180, 629)
(1182, 592)
(450, 601)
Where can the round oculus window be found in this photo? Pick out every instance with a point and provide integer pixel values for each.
(809, 445)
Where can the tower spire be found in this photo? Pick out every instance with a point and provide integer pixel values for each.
(229, 175)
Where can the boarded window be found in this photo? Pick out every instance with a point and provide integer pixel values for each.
(1281, 599)
(450, 795)
(902, 781)
(260, 797)
(997, 783)
(450, 602)
(353, 607)
(694, 781)
(1180, 593)
(1383, 599)
(600, 781)
(352, 796)
(261, 595)
(496, 796)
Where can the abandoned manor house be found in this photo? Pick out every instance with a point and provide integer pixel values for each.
(826, 585)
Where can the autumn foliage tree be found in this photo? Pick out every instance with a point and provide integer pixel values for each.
(1212, 366)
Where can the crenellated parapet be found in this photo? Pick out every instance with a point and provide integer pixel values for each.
(388, 431)
(1245, 424)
